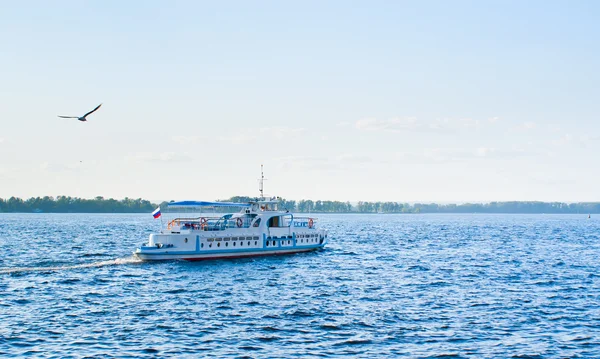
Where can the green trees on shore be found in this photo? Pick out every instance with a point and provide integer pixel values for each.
(65, 204)
(397, 207)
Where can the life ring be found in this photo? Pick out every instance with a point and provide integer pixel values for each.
(239, 222)
(310, 223)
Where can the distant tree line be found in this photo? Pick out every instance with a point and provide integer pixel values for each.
(65, 204)
(398, 207)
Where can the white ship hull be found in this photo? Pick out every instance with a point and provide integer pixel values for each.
(196, 245)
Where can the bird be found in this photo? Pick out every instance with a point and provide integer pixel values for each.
(82, 118)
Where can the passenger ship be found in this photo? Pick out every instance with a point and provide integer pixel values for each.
(259, 229)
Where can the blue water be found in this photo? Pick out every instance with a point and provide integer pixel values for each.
(386, 286)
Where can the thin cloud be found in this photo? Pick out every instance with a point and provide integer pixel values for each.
(469, 123)
(583, 141)
(280, 132)
(157, 157)
(411, 124)
(490, 152)
(238, 139)
(186, 140)
(329, 163)
(59, 167)
(393, 124)
(554, 128)
(563, 140)
(444, 155)
(455, 123)
(525, 126)
(248, 135)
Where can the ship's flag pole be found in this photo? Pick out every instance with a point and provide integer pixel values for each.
(156, 214)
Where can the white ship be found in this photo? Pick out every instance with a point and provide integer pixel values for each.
(258, 229)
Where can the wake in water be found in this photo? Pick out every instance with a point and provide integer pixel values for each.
(113, 262)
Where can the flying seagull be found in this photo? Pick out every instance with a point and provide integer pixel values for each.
(82, 118)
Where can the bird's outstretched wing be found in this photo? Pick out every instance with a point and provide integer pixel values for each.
(68, 116)
(93, 110)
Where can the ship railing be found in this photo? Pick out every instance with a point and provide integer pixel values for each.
(209, 223)
(191, 222)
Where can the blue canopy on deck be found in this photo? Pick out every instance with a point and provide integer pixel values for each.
(207, 204)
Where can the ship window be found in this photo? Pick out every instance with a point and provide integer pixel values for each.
(186, 240)
(241, 244)
(226, 244)
(202, 245)
(234, 244)
(255, 242)
(248, 243)
(210, 245)
(289, 242)
(218, 244)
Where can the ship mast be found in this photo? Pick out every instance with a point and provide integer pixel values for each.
(261, 182)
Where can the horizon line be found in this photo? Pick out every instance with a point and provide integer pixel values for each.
(323, 200)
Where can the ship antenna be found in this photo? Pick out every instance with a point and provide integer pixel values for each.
(261, 183)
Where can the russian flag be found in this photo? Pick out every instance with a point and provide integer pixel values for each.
(156, 213)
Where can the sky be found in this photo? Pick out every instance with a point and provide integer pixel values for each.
(430, 101)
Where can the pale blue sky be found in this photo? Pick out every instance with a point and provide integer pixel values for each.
(375, 100)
